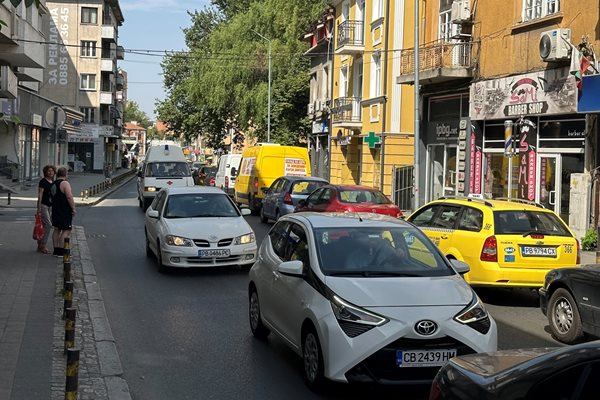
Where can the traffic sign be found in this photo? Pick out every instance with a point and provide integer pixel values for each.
(55, 117)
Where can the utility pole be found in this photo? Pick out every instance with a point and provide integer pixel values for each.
(269, 96)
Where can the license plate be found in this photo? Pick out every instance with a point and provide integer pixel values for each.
(538, 251)
(424, 358)
(214, 253)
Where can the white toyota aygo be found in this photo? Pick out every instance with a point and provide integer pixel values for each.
(364, 298)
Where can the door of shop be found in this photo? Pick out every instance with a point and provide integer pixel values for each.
(442, 166)
(549, 187)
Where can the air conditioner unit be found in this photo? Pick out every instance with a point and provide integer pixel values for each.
(555, 44)
(311, 108)
(461, 11)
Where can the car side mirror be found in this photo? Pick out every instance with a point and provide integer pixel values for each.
(153, 214)
(302, 203)
(265, 190)
(233, 171)
(292, 268)
(460, 267)
(245, 211)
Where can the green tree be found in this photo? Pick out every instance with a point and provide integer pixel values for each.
(132, 112)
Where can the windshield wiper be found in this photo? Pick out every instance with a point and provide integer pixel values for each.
(368, 274)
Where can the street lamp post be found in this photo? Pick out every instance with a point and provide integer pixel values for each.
(417, 137)
(269, 97)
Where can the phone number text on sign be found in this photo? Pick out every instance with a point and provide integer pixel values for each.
(295, 167)
(58, 55)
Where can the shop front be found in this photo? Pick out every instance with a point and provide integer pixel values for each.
(533, 139)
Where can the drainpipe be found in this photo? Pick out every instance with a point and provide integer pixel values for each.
(385, 79)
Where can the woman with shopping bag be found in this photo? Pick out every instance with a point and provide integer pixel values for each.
(44, 206)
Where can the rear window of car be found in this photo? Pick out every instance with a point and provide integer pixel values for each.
(306, 187)
(363, 196)
(527, 222)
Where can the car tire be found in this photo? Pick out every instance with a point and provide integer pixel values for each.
(312, 358)
(161, 267)
(149, 252)
(264, 219)
(146, 204)
(563, 317)
(259, 330)
(140, 203)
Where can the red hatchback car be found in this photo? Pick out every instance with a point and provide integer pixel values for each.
(349, 198)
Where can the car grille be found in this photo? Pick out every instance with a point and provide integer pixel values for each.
(213, 261)
(381, 366)
(353, 329)
(482, 325)
(220, 243)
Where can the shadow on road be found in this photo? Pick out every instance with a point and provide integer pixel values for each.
(509, 297)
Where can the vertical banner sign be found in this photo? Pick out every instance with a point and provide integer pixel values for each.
(544, 191)
(476, 161)
(527, 160)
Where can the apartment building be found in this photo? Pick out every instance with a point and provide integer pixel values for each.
(27, 141)
(134, 138)
(492, 69)
(81, 73)
(372, 120)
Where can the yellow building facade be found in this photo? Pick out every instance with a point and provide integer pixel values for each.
(371, 114)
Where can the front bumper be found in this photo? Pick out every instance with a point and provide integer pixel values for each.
(187, 257)
(543, 300)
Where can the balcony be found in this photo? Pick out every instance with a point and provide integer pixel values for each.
(350, 38)
(439, 61)
(109, 33)
(107, 65)
(120, 53)
(26, 74)
(106, 98)
(26, 49)
(346, 112)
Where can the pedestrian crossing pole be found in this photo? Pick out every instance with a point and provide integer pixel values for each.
(67, 297)
(66, 263)
(69, 329)
(72, 374)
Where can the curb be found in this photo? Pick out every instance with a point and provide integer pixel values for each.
(100, 371)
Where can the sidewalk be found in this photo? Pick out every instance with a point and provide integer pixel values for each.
(32, 363)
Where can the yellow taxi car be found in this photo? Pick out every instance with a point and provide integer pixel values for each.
(506, 242)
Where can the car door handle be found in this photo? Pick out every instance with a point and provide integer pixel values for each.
(276, 275)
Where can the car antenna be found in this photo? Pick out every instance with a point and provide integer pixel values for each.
(359, 218)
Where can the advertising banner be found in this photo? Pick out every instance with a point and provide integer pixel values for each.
(527, 161)
(294, 167)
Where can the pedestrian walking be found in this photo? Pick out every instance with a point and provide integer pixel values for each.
(63, 210)
(108, 173)
(44, 206)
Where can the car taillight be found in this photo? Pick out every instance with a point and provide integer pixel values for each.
(211, 182)
(436, 392)
(578, 252)
(399, 215)
(255, 185)
(490, 250)
(537, 236)
(227, 182)
(287, 199)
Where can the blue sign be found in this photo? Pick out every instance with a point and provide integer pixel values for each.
(589, 95)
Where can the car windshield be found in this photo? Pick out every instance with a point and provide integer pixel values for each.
(167, 169)
(210, 172)
(363, 196)
(306, 187)
(527, 222)
(378, 252)
(200, 205)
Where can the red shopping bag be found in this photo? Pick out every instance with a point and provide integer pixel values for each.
(38, 228)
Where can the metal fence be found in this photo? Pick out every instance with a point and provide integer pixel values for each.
(350, 33)
(346, 109)
(403, 186)
(439, 54)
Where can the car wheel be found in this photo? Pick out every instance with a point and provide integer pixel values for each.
(146, 204)
(149, 252)
(264, 219)
(312, 356)
(259, 330)
(161, 267)
(564, 318)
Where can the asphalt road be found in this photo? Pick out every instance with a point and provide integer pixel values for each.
(185, 335)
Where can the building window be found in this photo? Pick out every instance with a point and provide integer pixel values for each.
(344, 81)
(88, 114)
(377, 9)
(376, 75)
(447, 29)
(89, 15)
(533, 9)
(88, 48)
(88, 82)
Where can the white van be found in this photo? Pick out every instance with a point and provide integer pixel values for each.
(165, 165)
(229, 165)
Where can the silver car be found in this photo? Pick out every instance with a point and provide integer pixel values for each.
(285, 193)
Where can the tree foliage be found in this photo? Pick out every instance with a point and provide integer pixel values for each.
(220, 86)
(132, 112)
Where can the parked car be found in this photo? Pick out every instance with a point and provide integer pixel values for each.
(570, 299)
(198, 227)
(364, 298)
(505, 242)
(349, 198)
(285, 193)
(547, 373)
(207, 176)
(227, 170)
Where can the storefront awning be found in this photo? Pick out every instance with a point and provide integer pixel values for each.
(589, 99)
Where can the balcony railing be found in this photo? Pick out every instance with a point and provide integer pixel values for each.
(350, 36)
(448, 60)
(346, 110)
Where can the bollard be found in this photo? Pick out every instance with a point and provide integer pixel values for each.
(598, 244)
(69, 328)
(68, 298)
(72, 374)
(9, 198)
(87, 195)
(67, 262)
(82, 195)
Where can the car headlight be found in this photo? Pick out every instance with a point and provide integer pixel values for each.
(172, 240)
(245, 239)
(352, 319)
(149, 189)
(475, 315)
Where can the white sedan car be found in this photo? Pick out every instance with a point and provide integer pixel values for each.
(364, 298)
(198, 227)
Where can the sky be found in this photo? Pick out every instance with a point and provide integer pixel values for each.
(151, 25)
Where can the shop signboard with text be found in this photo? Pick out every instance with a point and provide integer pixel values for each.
(547, 92)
